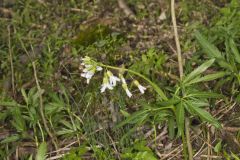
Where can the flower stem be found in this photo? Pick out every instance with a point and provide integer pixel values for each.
(155, 87)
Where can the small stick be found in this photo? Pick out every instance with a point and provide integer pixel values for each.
(11, 61)
(187, 126)
(180, 65)
(209, 148)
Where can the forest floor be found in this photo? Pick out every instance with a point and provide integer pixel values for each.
(49, 111)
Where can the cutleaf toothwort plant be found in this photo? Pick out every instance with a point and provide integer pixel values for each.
(109, 80)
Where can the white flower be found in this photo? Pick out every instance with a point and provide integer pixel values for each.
(88, 75)
(106, 84)
(140, 87)
(122, 79)
(90, 68)
(128, 93)
(98, 68)
(113, 79)
(125, 87)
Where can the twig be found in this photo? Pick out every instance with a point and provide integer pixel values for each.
(122, 4)
(42, 108)
(214, 157)
(180, 66)
(187, 126)
(208, 148)
(11, 61)
(56, 157)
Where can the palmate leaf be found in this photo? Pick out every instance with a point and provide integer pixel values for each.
(198, 71)
(203, 114)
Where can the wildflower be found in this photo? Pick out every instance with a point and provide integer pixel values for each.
(86, 60)
(88, 75)
(140, 87)
(106, 84)
(125, 87)
(113, 79)
(90, 68)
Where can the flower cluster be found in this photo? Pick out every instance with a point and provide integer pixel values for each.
(109, 80)
(90, 68)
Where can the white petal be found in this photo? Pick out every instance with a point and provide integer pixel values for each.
(88, 80)
(116, 78)
(88, 66)
(89, 75)
(141, 89)
(83, 74)
(85, 69)
(99, 68)
(109, 86)
(113, 80)
(129, 94)
(123, 80)
(103, 88)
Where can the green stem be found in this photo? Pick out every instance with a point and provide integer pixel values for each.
(155, 87)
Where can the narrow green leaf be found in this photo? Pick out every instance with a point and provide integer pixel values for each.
(169, 102)
(235, 156)
(42, 151)
(171, 129)
(25, 97)
(125, 113)
(31, 157)
(204, 115)
(10, 104)
(198, 71)
(218, 147)
(10, 139)
(205, 95)
(180, 113)
(234, 50)
(226, 65)
(137, 115)
(208, 77)
(210, 49)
